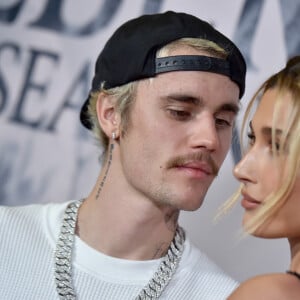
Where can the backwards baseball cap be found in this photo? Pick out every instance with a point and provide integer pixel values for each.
(130, 53)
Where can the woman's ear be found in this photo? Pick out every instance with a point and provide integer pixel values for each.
(108, 116)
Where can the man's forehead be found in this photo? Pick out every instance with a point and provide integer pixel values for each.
(180, 92)
(195, 83)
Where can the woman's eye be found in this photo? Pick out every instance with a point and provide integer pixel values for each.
(251, 138)
(276, 144)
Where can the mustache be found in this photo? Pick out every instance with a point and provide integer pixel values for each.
(194, 157)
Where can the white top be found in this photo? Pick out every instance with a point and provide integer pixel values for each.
(27, 242)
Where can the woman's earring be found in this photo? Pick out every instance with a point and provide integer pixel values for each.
(113, 136)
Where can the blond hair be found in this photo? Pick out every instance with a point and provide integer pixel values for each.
(287, 83)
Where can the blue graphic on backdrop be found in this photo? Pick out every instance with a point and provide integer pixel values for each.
(51, 16)
(14, 174)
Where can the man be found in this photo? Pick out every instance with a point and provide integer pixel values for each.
(163, 102)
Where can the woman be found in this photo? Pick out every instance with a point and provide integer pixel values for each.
(270, 179)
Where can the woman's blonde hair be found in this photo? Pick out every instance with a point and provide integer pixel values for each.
(124, 95)
(287, 83)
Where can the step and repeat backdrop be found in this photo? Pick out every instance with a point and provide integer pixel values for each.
(47, 54)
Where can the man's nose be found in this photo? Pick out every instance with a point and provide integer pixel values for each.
(205, 134)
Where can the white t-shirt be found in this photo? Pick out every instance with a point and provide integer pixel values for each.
(28, 236)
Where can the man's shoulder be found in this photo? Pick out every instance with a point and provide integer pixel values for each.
(26, 214)
(203, 271)
(13, 213)
(198, 259)
(21, 225)
(198, 277)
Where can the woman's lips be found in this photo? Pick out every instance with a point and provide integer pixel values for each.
(249, 203)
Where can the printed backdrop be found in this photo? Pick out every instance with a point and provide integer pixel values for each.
(47, 52)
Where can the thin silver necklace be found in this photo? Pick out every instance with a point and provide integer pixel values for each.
(63, 260)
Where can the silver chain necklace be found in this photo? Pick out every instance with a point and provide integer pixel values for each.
(63, 260)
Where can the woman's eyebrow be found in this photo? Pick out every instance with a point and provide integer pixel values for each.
(267, 130)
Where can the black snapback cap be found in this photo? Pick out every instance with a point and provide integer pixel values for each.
(130, 53)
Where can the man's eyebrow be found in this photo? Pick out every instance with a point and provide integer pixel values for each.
(183, 98)
(231, 107)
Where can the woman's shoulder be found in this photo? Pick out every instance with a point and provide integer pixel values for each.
(270, 286)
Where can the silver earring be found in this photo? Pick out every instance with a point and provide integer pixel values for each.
(113, 136)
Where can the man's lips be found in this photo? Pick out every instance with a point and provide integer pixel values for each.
(196, 169)
(248, 202)
(198, 166)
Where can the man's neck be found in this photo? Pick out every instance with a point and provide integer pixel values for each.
(122, 223)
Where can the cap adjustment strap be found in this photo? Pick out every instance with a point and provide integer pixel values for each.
(192, 63)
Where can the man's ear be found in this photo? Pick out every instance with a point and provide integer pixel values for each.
(108, 116)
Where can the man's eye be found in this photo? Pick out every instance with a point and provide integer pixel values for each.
(222, 122)
(179, 114)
